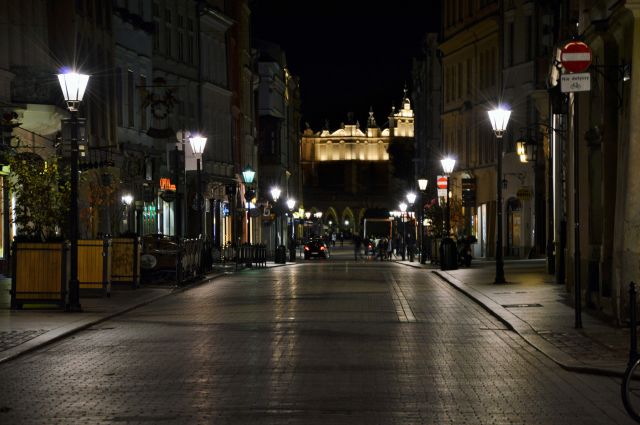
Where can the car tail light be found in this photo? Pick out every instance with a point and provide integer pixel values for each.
(306, 248)
(321, 248)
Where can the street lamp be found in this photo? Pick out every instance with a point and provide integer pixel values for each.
(449, 254)
(248, 175)
(197, 147)
(411, 198)
(291, 204)
(127, 200)
(403, 209)
(448, 164)
(275, 195)
(73, 86)
(499, 118)
(422, 185)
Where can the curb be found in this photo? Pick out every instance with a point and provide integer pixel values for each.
(66, 331)
(523, 329)
(526, 332)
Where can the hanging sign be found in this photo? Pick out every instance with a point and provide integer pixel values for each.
(165, 184)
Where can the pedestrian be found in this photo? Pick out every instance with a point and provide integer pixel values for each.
(389, 249)
(357, 242)
(333, 238)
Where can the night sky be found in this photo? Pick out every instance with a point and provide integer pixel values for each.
(349, 55)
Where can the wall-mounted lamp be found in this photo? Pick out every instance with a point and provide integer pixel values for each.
(527, 150)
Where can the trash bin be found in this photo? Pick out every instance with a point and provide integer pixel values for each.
(448, 255)
(281, 254)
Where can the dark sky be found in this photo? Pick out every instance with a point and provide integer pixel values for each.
(349, 54)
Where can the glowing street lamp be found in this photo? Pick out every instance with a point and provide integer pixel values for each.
(499, 118)
(275, 195)
(73, 86)
(422, 185)
(198, 143)
(248, 174)
(448, 164)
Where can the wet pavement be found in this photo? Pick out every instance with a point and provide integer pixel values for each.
(317, 342)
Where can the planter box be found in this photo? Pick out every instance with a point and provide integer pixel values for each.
(41, 273)
(125, 261)
(94, 264)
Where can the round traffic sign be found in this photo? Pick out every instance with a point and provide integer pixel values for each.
(576, 56)
(442, 182)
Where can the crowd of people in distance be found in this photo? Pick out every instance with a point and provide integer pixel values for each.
(373, 248)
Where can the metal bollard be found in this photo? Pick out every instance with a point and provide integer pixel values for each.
(633, 339)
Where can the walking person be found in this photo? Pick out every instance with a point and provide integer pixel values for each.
(357, 242)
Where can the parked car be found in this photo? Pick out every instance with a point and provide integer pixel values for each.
(316, 248)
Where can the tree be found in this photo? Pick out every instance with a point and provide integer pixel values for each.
(41, 190)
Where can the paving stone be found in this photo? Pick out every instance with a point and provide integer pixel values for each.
(315, 343)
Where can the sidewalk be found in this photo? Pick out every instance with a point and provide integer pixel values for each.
(535, 307)
(24, 330)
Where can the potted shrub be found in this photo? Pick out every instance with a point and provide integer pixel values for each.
(41, 190)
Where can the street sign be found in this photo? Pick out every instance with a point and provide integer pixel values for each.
(575, 82)
(576, 56)
(442, 182)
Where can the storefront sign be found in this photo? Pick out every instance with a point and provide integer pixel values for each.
(165, 184)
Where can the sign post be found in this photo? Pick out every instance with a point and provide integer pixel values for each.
(442, 186)
(576, 58)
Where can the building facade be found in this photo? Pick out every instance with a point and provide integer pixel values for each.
(348, 173)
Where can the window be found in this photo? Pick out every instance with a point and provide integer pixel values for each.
(119, 98)
(180, 46)
(528, 37)
(156, 36)
(130, 89)
(459, 91)
(469, 77)
(143, 112)
(190, 42)
(510, 42)
(167, 40)
(190, 58)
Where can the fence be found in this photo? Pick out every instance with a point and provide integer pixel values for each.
(245, 255)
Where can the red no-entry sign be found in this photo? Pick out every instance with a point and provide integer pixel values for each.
(442, 182)
(576, 56)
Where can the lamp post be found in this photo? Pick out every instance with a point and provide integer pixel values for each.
(499, 118)
(127, 200)
(422, 185)
(198, 143)
(73, 86)
(318, 217)
(275, 195)
(449, 254)
(403, 209)
(411, 198)
(291, 203)
(248, 175)
(448, 164)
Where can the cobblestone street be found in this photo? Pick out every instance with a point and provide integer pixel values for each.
(330, 342)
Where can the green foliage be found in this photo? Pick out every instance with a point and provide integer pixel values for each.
(41, 191)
